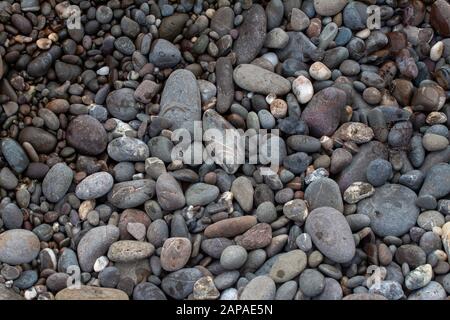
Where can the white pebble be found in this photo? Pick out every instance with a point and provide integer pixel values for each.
(363, 34)
(436, 51)
(30, 293)
(103, 71)
(303, 89)
(271, 57)
(319, 71)
(101, 263)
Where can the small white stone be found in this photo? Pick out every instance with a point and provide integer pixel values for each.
(271, 57)
(419, 277)
(319, 71)
(303, 89)
(270, 97)
(30, 293)
(104, 71)
(363, 34)
(229, 294)
(101, 263)
(358, 191)
(436, 51)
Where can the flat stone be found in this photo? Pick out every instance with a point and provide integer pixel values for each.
(230, 227)
(131, 194)
(18, 246)
(94, 186)
(288, 265)
(57, 182)
(130, 250)
(91, 293)
(175, 253)
(256, 79)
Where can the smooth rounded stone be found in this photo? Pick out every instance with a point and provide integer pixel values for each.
(66, 71)
(26, 279)
(266, 212)
(131, 194)
(8, 180)
(201, 194)
(412, 179)
(94, 186)
(230, 227)
(57, 281)
(87, 135)
(41, 140)
(323, 112)
(40, 65)
(224, 83)
(297, 162)
(161, 147)
(356, 171)
(129, 250)
(57, 182)
(274, 13)
(439, 17)
(172, 26)
(299, 20)
(379, 172)
(175, 253)
(66, 259)
(226, 280)
(259, 288)
(169, 193)
(12, 216)
(288, 265)
(18, 246)
(180, 100)
(434, 142)
(311, 282)
(350, 67)
(256, 79)
(331, 234)
(44, 232)
(419, 277)
(331, 291)
(329, 8)
(103, 14)
(164, 54)
(258, 236)
(146, 91)
(128, 149)
(435, 183)
(364, 296)
(358, 221)
(277, 38)
(222, 21)
(229, 294)
(427, 220)
(392, 290)
(233, 257)
(445, 283)
(243, 191)
(304, 242)
(94, 244)
(148, 291)
(296, 210)
(157, 232)
(91, 293)
(180, 284)
(14, 155)
(304, 143)
(121, 104)
(123, 171)
(125, 46)
(215, 246)
(324, 193)
(428, 97)
(286, 291)
(319, 71)
(355, 15)
(413, 255)
(358, 191)
(252, 33)
(391, 210)
(303, 89)
(432, 291)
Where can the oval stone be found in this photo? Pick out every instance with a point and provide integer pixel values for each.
(87, 135)
(18, 246)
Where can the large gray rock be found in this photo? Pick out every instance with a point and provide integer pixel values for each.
(57, 181)
(18, 246)
(94, 186)
(180, 100)
(94, 244)
(164, 54)
(128, 149)
(331, 234)
(130, 194)
(256, 79)
(392, 210)
(324, 193)
(252, 34)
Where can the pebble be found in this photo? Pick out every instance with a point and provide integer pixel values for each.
(131, 194)
(233, 257)
(303, 89)
(324, 193)
(175, 253)
(288, 265)
(18, 246)
(180, 284)
(12, 216)
(57, 182)
(201, 194)
(256, 79)
(148, 291)
(94, 186)
(338, 245)
(259, 288)
(94, 244)
(128, 149)
(230, 227)
(41, 140)
(129, 251)
(432, 291)
(242, 190)
(358, 191)
(419, 277)
(164, 54)
(8, 180)
(379, 172)
(311, 282)
(169, 193)
(319, 71)
(14, 155)
(91, 293)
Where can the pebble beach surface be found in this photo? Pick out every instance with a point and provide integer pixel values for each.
(95, 206)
